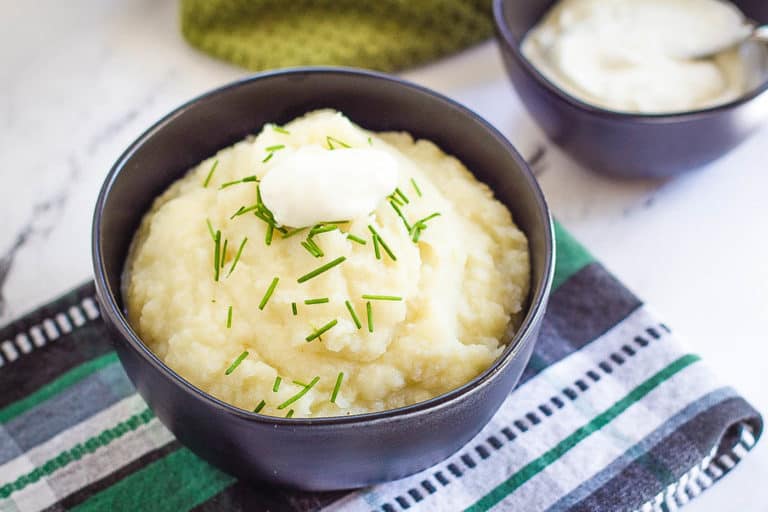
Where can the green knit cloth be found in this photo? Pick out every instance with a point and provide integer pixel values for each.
(380, 34)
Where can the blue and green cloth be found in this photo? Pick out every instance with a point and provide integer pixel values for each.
(612, 413)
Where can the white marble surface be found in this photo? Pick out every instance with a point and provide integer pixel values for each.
(81, 79)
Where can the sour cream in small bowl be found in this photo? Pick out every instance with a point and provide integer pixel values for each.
(622, 85)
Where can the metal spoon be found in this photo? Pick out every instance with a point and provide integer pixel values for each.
(754, 32)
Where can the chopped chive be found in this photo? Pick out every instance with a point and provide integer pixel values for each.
(369, 313)
(294, 309)
(224, 252)
(250, 179)
(280, 129)
(229, 317)
(393, 197)
(337, 387)
(236, 362)
(370, 141)
(321, 300)
(315, 247)
(353, 314)
(322, 229)
(319, 270)
(294, 232)
(276, 385)
(299, 383)
(376, 249)
(383, 243)
(312, 249)
(290, 414)
(268, 293)
(400, 214)
(356, 239)
(229, 184)
(333, 140)
(237, 256)
(416, 187)
(268, 158)
(401, 195)
(322, 330)
(260, 406)
(216, 255)
(299, 394)
(210, 229)
(428, 217)
(243, 210)
(210, 174)
(382, 297)
(269, 234)
(276, 147)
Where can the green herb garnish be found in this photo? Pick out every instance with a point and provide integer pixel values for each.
(356, 239)
(321, 300)
(319, 270)
(400, 214)
(250, 179)
(260, 406)
(294, 309)
(337, 387)
(210, 229)
(382, 297)
(279, 129)
(210, 173)
(299, 383)
(394, 198)
(237, 256)
(224, 252)
(270, 232)
(294, 232)
(243, 210)
(370, 141)
(322, 228)
(268, 158)
(290, 414)
(401, 195)
(247, 179)
(276, 385)
(353, 314)
(319, 332)
(268, 293)
(312, 248)
(299, 394)
(416, 187)
(216, 255)
(420, 226)
(369, 312)
(333, 140)
(236, 362)
(276, 147)
(383, 243)
(229, 317)
(376, 249)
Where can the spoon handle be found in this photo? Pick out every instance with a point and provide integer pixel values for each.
(760, 34)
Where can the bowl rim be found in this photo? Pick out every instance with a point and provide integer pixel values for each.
(507, 39)
(114, 315)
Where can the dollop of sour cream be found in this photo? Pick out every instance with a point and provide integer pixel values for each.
(643, 55)
(315, 184)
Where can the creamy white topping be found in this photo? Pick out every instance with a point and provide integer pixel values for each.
(315, 184)
(643, 55)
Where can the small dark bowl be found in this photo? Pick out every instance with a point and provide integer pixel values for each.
(319, 453)
(618, 144)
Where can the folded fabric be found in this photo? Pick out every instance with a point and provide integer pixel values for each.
(386, 34)
(611, 414)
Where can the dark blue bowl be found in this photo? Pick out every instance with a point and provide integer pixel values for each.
(617, 144)
(321, 453)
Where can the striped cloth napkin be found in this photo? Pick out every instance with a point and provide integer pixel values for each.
(611, 414)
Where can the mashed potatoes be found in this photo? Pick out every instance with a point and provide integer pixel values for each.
(460, 281)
